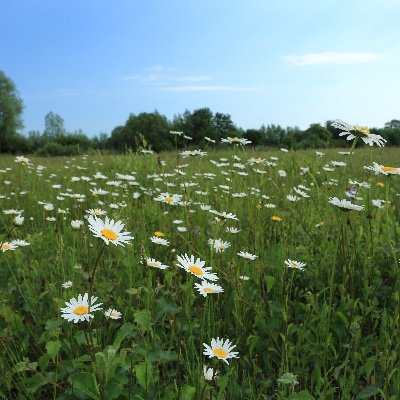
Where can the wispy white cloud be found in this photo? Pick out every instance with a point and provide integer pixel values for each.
(201, 88)
(332, 58)
(193, 78)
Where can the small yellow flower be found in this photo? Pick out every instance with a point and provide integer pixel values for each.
(380, 184)
(276, 218)
(159, 234)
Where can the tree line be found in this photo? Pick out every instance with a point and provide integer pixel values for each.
(201, 128)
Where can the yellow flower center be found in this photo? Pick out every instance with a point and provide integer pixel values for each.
(169, 199)
(388, 169)
(208, 289)
(109, 234)
(235, 139)
(221, 246)
(275, 218)
(220, 352)
(81, 310)
(113, 314)
(159, 234)
(5, 246)
(153, 264)
(362, 129)
(196, 270)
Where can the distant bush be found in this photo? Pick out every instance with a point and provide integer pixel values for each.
(56, 149)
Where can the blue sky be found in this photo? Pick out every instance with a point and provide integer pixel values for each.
(288, 62)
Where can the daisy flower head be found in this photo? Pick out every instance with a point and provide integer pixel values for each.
(295, 264)
(218, 245)
(78, 309)
(345, 205)
(247, 255)
(159, 240)
(353, 131)
(220, 349)
(22, 160)
(196, 267)
(67, 285)
(232, 229)
(171, 199)
(205, 288)
(236, 140)
(96, 212)
(151, 262)
(18, 220)
(109, 231)
(76, 224)
(113, 314)
(6, 246)
(209, 373)
(381, 169)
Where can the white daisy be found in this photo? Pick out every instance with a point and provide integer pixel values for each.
(78, 309)
(109, 231)
(220, 349)
(235, 140)
(345, 205)
(171, 199)
(151, 262)
(112, 313)
(359, 131)
(381, 169)
(218, 245)
(231, 229)
(205, 288)
(96, 212)
(295, 264)
(158, 240)
(247, 255)
(196, 267)
(209, 374)
(67, 285)
(6, 246)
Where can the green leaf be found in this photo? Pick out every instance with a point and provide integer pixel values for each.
(270, 282)
(303, 395)
(53, 348)
(165, 307)
(123, 332)
(368, 392)
(187, 392)
(144, 374)
(34, 383)
(143, 319)
(85, 382)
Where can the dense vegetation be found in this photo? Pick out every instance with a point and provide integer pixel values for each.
(326, 329)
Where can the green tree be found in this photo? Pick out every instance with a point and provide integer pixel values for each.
(53, 126)
(11, 107)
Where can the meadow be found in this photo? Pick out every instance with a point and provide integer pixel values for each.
(301, 300)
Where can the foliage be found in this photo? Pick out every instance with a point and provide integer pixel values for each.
(329, 332)
(10, 114)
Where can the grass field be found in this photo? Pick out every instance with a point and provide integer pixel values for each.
(328, 329)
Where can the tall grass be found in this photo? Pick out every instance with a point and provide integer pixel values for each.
(329, 332)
